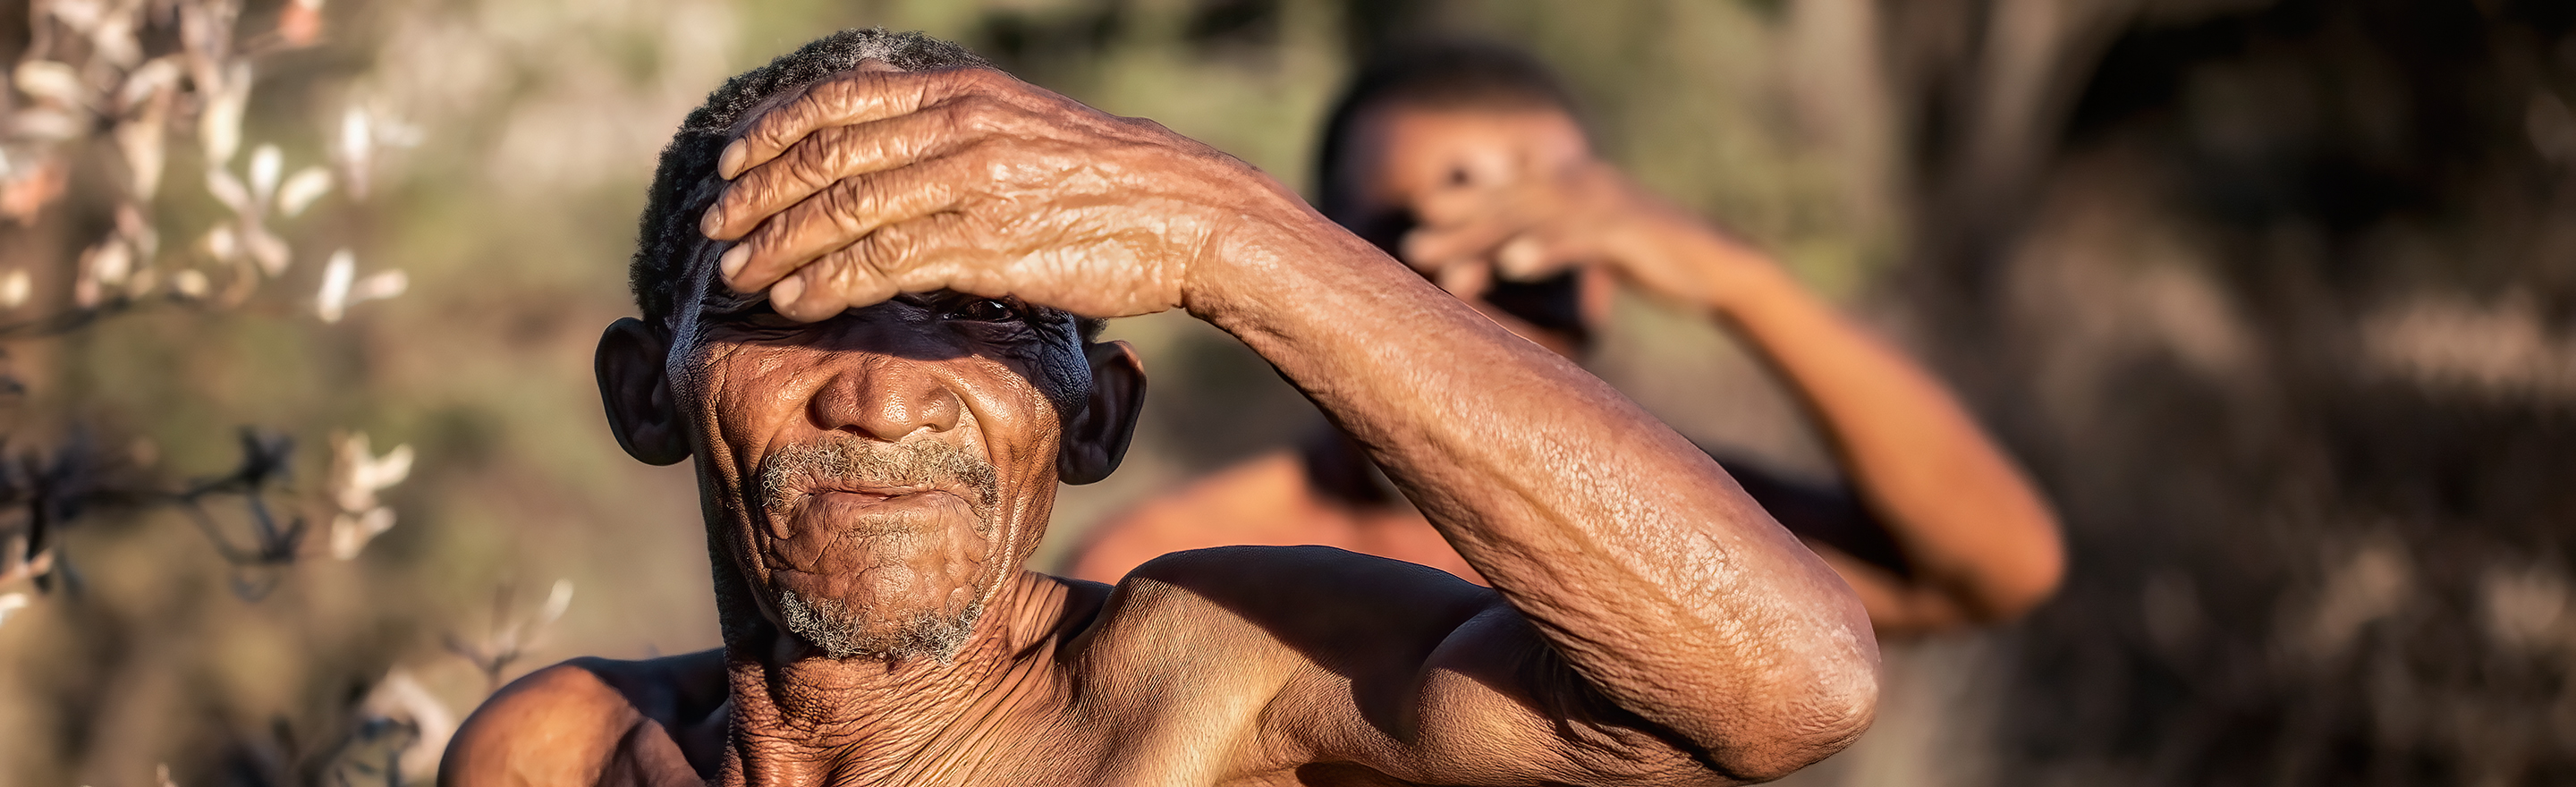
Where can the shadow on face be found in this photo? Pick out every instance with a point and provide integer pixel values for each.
(878, 475)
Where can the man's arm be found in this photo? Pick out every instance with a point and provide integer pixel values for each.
(1618, 547)
(1978, 543)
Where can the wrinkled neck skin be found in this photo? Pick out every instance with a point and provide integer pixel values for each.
(800, 717)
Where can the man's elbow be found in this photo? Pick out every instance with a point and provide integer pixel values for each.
(1812, 725)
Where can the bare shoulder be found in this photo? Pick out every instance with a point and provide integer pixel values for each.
(1297, 607)
(576, 723)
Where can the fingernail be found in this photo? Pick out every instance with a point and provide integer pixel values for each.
(731, 262)
(711, 221)
(730, 164)
(785, 291)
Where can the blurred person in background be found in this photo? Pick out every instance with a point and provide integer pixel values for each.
(864, 274)
(1469, 162)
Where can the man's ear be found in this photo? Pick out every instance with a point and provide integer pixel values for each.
(634, 386)
(1095, 440)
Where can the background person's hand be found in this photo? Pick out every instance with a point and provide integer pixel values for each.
(883, 182)
(1526, 222)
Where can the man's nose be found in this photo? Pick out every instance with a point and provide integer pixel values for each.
(887, 399)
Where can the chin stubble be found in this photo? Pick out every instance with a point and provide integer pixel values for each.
(842, 633)
(843, 461)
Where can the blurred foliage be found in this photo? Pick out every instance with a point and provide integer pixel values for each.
(2275, 298)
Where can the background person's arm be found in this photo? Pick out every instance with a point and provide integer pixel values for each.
(1978, 543)
(1975, 541)
(1657, 589)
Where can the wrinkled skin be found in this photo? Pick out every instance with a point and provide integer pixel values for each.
(1938, 529)
(1646, 624)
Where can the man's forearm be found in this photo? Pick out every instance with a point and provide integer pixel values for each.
(1639, 559)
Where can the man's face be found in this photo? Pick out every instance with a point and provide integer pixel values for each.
(879, 474)
(1402, 154)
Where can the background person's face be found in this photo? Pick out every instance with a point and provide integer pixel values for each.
(1403, 154)
(886, 468)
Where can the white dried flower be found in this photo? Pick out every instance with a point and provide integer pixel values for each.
(139, 141)
(159, 75)
(45, 125)
(341, 287)
(53, 83)
(113, 39)
(351, 532)
(357, 474)
(10, 603)
(219, 125)
(301, 190)
(223, 243)
(333, 300)
(230, 191)
(401, 697)
(558, 599)
(79, 15)
(101, 266)
(110, 261)
(266, 165)
(379, 286)
(265, 248)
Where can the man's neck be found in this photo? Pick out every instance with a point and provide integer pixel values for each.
(820, 720)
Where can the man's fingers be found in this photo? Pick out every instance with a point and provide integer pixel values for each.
(842, 214)
(864, 95)
(837, 281)
(828, 156)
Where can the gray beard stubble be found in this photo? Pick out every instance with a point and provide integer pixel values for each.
(838, 460)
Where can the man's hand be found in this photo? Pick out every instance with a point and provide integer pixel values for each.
(1531, 220)
(882, 182)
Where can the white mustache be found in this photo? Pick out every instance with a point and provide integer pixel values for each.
(842, 460)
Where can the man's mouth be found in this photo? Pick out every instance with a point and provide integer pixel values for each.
(868, 512)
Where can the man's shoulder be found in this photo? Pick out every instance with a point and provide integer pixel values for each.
(565, 724)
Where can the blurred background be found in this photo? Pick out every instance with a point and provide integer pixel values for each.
(2276, 298)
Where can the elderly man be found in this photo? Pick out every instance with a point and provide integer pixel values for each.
(1467, 160)
(866, 276)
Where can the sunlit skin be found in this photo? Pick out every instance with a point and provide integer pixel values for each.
(1516, 193)
(1645, 623)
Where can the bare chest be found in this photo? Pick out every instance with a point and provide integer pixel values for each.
(1170, 734)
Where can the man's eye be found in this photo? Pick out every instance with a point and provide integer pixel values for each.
(984, 310)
